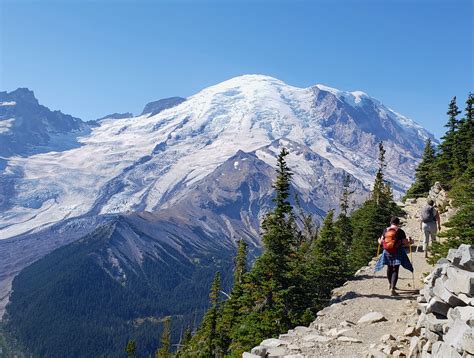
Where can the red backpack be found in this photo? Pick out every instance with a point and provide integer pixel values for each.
(390, 242)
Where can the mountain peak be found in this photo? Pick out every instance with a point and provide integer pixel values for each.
(156, 107)
(21, 94)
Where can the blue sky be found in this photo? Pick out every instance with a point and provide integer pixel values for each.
(91, 58)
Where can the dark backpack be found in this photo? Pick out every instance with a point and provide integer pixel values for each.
(390, 241)
(427, 214)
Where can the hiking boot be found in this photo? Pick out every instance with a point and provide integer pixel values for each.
(393, 292)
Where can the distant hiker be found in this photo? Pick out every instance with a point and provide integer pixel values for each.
(430, 223)
(393, 241)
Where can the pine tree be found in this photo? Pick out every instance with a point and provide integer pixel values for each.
(379, 189)
(465, 148)
(213, 313)
(165, 341)
(447, 162)
(343, 225)
(424, 173)
(131, 348)
(329, 265)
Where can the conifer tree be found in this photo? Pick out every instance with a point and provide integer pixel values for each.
(329, 265)
(447, 161)
(165, 341)
(343, 225)
(465, 144)
(424, 173)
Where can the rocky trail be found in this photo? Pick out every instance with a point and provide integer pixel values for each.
(362, 320)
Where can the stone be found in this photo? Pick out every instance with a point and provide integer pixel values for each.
(421, 321)
(426, 350)
(302, 329)
(465, 298)
(421, 299)
(460, 336)
(440, 291)
(276, 352)
(398, 354)
(307, 344)
(414, 347)
(250, 355)
(388, 349)
(387, 337)
(349, 339)
(466, 255)
(421, 308)
(459, 281)
(346, 323)
(316, 338)
(431, 336)
(443, 350)
(273, 342)
(325, 311)
(286, 337)
(260, 351)
(411, 331)
(465, 314)
(434, 324)
(371, 317)
(437, 305)
(375, 353)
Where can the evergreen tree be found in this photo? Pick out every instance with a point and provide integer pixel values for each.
(424, 174)
(165, 341)
(329, 265)
(343, 225)
(131, 348)
(465, 144)
(446, 162)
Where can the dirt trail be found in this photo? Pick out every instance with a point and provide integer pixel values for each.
(367, 293)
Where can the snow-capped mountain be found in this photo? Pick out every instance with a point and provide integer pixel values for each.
(26, 127)
(147, 163)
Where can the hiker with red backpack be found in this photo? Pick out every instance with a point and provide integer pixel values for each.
(394, 241)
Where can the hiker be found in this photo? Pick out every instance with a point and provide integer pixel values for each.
(430, 223)
(394, 241)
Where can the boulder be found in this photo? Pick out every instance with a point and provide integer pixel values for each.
(316, 338)
(386, 338)
(371, 317)
(414, 347)
(276, 352)
(460, 281)
(260, 351)
(440, 291)
(411, 331)
(461, 336)
(273, 342)
(434, 324)
(465, 314)
(437, 305)
(465, 257)
(443, 350)
(250, 355)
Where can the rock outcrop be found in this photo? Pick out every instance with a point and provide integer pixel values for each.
(445, 325)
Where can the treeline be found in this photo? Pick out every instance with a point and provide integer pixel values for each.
(300, 266)
(451, 164)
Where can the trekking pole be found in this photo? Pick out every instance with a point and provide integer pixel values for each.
(378, 250)
(411, 258)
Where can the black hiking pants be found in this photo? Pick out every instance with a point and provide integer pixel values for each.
(392, 275)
